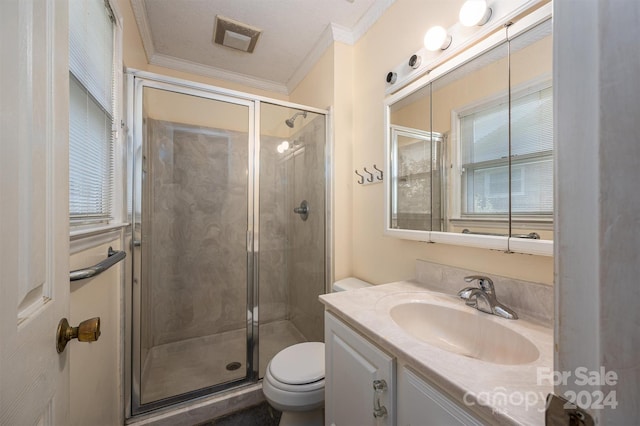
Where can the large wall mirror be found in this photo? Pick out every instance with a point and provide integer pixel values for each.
(470, 146)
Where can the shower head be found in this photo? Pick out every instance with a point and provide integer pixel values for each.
(289, 122)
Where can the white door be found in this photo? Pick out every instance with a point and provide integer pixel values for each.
(34, 234)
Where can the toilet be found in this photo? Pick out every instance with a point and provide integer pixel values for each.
(294, 380)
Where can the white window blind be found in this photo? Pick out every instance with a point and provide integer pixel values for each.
(91, 93)
(484, 147)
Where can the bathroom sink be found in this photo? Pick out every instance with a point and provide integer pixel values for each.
(471, 334)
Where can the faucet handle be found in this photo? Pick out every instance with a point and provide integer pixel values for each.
(485, 283)
(466, 292)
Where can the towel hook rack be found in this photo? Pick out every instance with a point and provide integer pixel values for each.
(381, 172)
(369, 179)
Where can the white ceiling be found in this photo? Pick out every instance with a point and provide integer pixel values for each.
(179, 34)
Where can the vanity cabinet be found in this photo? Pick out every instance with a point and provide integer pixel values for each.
(359, 378)
(421, 404)
(353, 365)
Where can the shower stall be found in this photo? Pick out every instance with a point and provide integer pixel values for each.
(229, 234)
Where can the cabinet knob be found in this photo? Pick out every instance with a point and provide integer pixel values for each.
(379, 385)
(379, 410)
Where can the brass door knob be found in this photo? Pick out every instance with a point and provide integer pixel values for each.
(87, 331)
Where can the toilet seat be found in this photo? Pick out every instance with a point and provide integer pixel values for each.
(294, 379)
(299, 364)
(307, 387)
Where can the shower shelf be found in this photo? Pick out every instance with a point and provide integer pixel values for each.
(113, 257)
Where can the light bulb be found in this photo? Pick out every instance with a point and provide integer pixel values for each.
(474, 12)
(285, 145)
(437, 39)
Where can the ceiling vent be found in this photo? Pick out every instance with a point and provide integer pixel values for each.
(235, 35)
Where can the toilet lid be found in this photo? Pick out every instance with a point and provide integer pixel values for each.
(299, 364)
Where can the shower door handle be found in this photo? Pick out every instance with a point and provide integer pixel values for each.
(303, 210)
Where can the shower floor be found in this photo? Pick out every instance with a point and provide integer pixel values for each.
(180, 367)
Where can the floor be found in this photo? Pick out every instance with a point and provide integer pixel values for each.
(180, 367)
(263, 415)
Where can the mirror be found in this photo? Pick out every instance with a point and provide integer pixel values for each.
(532, 132)
(470, 150)
(416, 166)
(470, 107)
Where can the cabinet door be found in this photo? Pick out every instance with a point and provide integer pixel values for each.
(352, 366)
(420, 404)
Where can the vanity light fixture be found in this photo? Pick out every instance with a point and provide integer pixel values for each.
(415, 61)
(474, 13)
(391, 77)
(437, 39)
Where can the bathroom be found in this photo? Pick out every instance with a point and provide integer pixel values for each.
(595, 243)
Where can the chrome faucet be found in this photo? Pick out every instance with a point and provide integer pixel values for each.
(483, 297)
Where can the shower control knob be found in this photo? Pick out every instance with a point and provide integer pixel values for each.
(303, 210)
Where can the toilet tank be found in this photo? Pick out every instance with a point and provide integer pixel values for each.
(350, 283)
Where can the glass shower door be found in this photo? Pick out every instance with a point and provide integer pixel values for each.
(192, 167)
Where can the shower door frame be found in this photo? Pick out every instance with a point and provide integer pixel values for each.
(136, 81)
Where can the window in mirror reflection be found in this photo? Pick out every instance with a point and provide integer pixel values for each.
(484, 155)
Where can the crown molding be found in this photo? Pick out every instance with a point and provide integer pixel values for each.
(338, 33)
(342, 34)
(209, 71)
(377, 9)
(325, 40)
(140, 13)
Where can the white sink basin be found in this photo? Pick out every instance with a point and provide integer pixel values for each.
(464, 333)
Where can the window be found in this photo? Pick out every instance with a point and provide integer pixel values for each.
(91, 111)
(484, 152)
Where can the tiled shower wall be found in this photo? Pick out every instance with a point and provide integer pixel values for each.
(306, 268)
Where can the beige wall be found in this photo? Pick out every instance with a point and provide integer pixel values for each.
(95, 368)
(174, 107)
(316, 89)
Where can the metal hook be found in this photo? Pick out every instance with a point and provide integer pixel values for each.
(381, 172)
(370, 179)
(361, 181)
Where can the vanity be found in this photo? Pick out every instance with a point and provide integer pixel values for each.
(413, 353)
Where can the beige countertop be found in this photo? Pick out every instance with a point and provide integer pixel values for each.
(502, 394)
